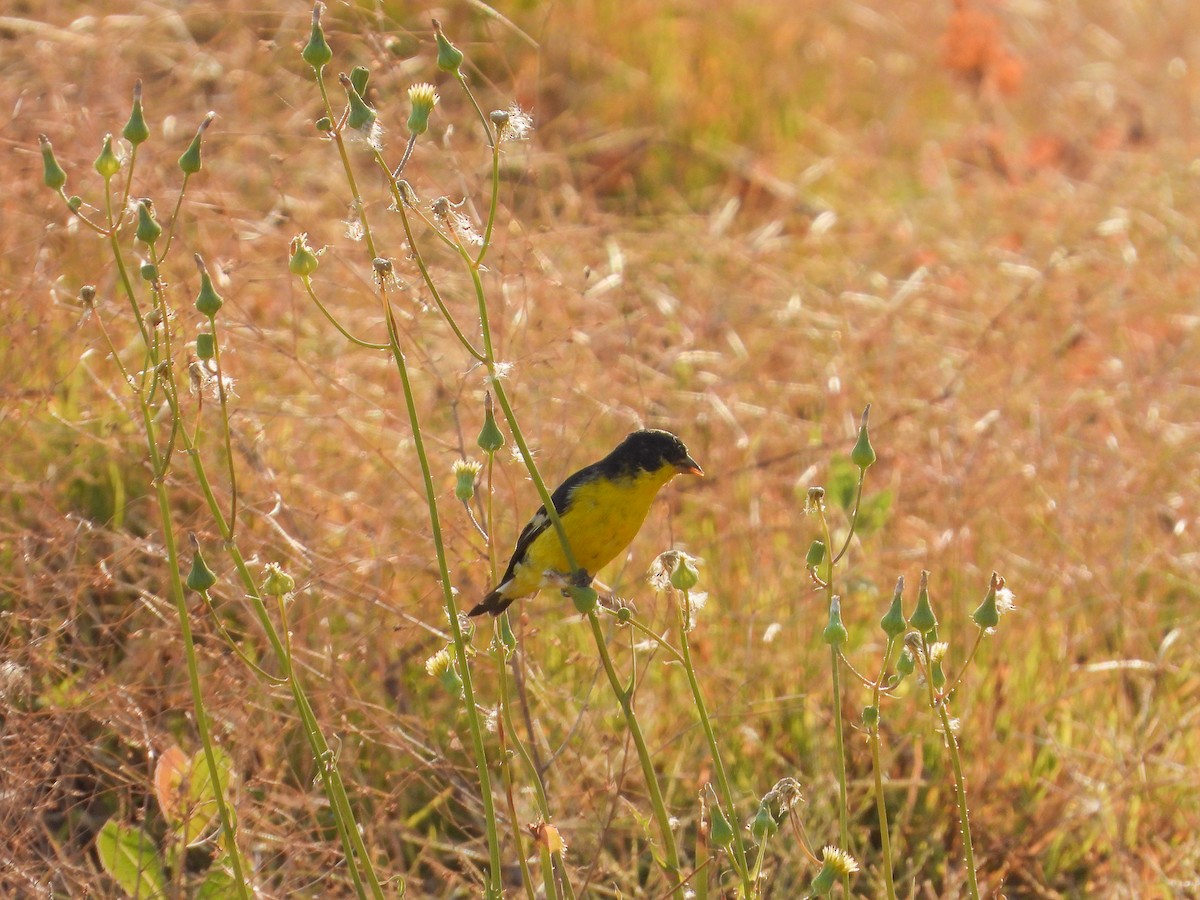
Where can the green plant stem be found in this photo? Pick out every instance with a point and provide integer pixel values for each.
(685, 652)
(874, 739)
(189, 651)
(513, 821)
(625, 699)
(843, 800)
(960, 790)
(160, 466)
(493, 887)
(352, 841)
(839, 732)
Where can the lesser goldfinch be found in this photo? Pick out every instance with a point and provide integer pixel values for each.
(601, 506)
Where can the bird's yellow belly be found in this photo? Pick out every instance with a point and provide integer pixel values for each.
(603, 518)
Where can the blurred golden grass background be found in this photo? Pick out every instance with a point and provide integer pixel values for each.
(740, 224)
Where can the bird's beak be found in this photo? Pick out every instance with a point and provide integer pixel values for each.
(689, 467)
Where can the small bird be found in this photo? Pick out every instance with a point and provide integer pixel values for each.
(601, 506)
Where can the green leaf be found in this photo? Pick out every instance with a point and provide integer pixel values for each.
(201, 803)
(131, 859)
(843, 482)
(218, 884)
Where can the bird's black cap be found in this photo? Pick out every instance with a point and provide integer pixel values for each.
(646, 451)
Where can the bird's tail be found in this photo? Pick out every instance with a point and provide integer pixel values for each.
(494, 603)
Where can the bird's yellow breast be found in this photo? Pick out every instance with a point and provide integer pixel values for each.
(602, 517)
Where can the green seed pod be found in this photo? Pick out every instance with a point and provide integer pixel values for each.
(148, 230)
(148, 271)
(835, 633)
(507, 638)
(206, 345)
(201, 578)
(923, 619)
(359, 76)
(361, 115)
(870, 717)
(763, 824)
(107, 163)
(208, 301)
(449, 57)
(276, 582)
(584, 597)
(53, 175)
(303, 261)
(317, 52)
(863, 454)
(815, 555)
(720, 831)
(136, 130)
(491, 438)
(190, 161)
(988, 614)
(893, 623)
(684, 576)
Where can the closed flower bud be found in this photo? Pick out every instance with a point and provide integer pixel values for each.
(449, 57)
(190, 161)
(835, 632)
(53, 175)
(491, 438)
(206, 345)
(923, 618)
(136, 130)
(893, 623)
(148, 271)
(905, 663)
(148, 230)
(303, 261)
(208, 301)
(815, 555)
(465, 472)
(359, 76)
(863, 454)
(324, 124)
(74, 202)
(423, 98)
(107, 163)
(317, 52)
(276, 582)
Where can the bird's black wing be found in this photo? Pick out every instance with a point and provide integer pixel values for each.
(540, 521)
(495, 602)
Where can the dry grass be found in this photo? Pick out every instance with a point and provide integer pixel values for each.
(739, 225)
